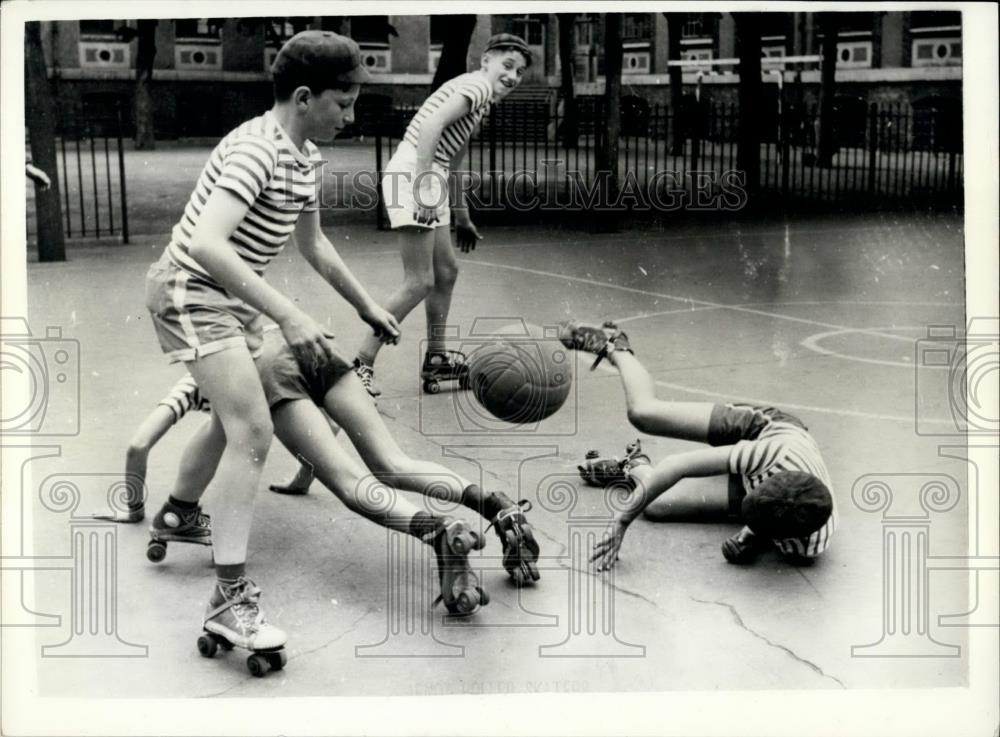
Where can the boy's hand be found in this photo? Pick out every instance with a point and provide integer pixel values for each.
(426, 204)
(466, 234)
(383, 323)
(310, 344)
(606, 551)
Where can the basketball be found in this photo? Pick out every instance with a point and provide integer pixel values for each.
(520, 374)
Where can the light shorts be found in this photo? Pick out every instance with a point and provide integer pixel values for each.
(398, 195)
(194, 318)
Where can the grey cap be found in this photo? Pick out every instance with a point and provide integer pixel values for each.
(314, 54)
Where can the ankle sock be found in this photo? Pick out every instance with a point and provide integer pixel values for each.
(181, 504)
(422, 524)
(228, 573)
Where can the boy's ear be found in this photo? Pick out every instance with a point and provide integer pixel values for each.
(301, 94)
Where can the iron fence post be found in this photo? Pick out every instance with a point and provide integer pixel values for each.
(121, 173)
(872, 146)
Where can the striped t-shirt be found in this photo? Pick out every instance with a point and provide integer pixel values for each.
(261, 165)
(783, 446)
(185, 397)
(474, 87)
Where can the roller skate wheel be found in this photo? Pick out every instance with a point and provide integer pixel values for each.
(208, 645)
(432, 387)
(277, 660)
(484, 597)
(478, 541)
(468, 601)
(591, 454)
(511, 539)
(257, 665)
(156, 551)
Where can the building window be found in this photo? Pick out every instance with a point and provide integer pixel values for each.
(935, 20)
(100, 28)
(587, 29)
(637, 27)
(529, 27)
(694, 26)
(372, 34)
(100, 47)
(854, 54)
(279, 30)
(202, 29)
(198, 44)
(936, 52)
(370, 29)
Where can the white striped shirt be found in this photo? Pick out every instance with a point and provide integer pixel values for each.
(474, 87)
(184, 397)
(784, 446)
(261, 165)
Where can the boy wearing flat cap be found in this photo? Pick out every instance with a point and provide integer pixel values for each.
(415, 190)
(208, 298)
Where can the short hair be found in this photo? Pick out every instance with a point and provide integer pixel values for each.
(790, 504)
(286, 84)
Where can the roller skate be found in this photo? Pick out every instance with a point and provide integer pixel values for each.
(234, 619)
(460, 589)
(743, 547)
(444, 366)
(601, 341)
(520, 549)
(602, 472)
(173, 524)
(366, 372)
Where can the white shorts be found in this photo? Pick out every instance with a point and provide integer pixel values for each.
(397, 190)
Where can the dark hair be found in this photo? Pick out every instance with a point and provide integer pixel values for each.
(285, 83)
(789, 504)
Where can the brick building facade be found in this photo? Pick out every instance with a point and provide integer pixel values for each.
(210, 74)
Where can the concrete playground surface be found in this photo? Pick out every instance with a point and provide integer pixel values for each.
(824, 317)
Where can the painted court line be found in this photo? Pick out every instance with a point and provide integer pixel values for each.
(689, 300)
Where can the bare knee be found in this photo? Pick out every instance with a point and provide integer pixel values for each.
(446, 276)
(418, 286)
(252, 434)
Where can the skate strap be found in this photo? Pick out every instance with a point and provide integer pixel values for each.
(249, 595)
(522, 506)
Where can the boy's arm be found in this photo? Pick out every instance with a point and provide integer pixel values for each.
(465, 230)
(701, 462)
(323, 257)
(211, 248)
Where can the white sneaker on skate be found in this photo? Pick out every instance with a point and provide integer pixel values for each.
(366, 373)
(234, 614)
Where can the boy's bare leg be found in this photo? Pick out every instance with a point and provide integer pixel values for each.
(416, 247)
(682, 420)
(304, 430)
(200, 460)
(347, 404)
(438, 302)
(246, 425)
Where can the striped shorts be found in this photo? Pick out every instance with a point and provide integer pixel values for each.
(194, 318)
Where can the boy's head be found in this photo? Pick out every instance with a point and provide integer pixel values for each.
(320, 72)
(505, 60)
(789, 505)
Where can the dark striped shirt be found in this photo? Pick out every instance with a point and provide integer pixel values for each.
(185, 397)
(784, 446)
(258, 163)
(474, 87)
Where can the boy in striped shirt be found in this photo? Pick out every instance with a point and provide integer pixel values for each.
(208, 297)
(787, 502)
(415, 190)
